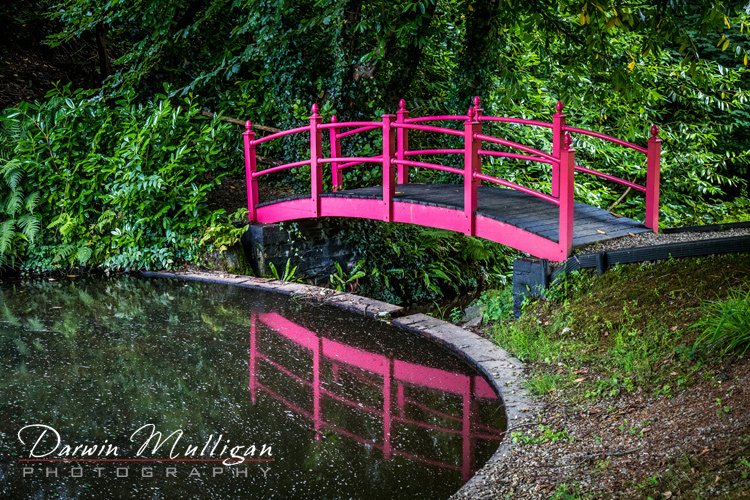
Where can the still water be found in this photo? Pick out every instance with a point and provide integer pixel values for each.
(162, 389)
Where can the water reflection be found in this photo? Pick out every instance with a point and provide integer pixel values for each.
(352, 407)
(416, 388)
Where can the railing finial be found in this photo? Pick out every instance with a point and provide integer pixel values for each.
(315, 109)
(476, 101)
(568, 141)
(402, 105)
(248, 125)
(334, 119)
(654, 131)
(470, 112)
(560, 106)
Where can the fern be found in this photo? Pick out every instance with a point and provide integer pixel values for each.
(32, 201)
(30, 226)
(7, 232)
(83, 255)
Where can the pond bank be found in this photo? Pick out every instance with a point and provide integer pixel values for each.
(632, 407)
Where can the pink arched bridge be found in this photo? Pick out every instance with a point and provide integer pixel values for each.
(547, 225)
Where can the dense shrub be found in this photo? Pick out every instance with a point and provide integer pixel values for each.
(115, 182)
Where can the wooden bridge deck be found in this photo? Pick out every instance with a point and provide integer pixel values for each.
(518, 209)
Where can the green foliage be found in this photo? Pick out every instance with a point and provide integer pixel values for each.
(19, 224)
(289, 274)
(541, 435)
(726, 325)
(120, 184)
(631, 329)
(342, 281)
(497, 305)
(404, 263)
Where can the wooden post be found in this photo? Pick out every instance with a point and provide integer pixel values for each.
(653, 175)
(402, 137)
(336, 176)
(251, 167)
(472, 164)
(316, 169)
(567, 198)
(558, 132)
(389, 172)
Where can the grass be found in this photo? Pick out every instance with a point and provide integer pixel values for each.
(637, 327)
(726, 324)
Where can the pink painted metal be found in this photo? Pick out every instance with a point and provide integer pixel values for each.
(608, 138)
(431, 166)
(517, 187)
(316, 171)
(521, 147)
(429, 128)
(402, 143)
(419, 152)
(437, 118)
(250, 166)
(472, 166)
(279, 168)
(565, 188)
(520, 121)
(652, 180)
(516, 156)
(558, 127)
(389, 169)
(335, 143)
(612, 178)
(395, 133)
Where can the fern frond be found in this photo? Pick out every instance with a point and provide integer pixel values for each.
(83, 255)
(13, 202)
(30, 226)
(7, 232)
(32, 201)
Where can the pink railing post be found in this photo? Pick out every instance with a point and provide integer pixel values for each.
(335, 153)
(316, 169)
(402, 137)
(558, 132)
(389, 172)
(478, 111)
(566, 188)
(652, 180)
(251, 167)
(472, 165)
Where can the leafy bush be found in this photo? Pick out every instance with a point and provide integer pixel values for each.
(406, 264)
(121, 184)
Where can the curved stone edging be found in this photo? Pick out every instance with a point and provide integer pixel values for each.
(504, 372)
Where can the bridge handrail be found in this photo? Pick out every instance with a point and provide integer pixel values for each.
(397, 158)
(515, 145)
(605, 137)
(419, 152)
(277, 135)
(431, 166)
(279, 168)
(611, 178)
(435, 118)
(428, 128)
(517, 187)
(515, 156)
(520, 121)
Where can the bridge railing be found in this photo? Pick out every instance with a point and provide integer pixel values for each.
(397, 159)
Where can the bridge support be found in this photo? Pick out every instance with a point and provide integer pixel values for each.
(652, 180)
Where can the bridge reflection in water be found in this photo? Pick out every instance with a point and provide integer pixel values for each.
(328, 372)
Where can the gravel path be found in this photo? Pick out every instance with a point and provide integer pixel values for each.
(651, 239)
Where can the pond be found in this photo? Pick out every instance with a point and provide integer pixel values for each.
(158, 388)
